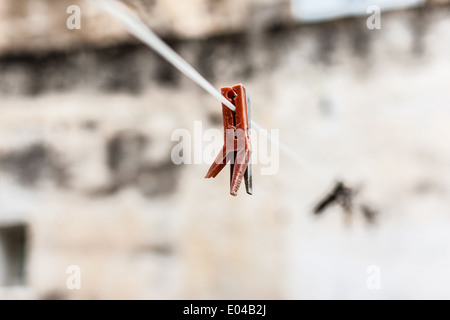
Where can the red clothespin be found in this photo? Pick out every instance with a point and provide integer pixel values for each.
(237, 147)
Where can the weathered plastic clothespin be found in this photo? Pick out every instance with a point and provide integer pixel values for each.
(237, 145)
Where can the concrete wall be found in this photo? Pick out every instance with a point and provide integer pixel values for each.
(40, 25)
(85, 165)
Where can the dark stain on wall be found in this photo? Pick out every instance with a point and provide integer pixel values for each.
(159, 179)
(326, 43)
(162, 248)
(420, 21)
(33, 163)
(360, 37)
(120, 69)
(215, 118)
(164, 73)
(128, 167)
(124, 155)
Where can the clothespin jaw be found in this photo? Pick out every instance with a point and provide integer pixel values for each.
(237, 145)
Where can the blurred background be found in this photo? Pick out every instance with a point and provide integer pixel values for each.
(86, 178)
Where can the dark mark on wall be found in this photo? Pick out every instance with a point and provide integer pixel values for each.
(33, 163)
(128, 167)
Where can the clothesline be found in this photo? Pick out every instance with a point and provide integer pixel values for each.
(140, 30)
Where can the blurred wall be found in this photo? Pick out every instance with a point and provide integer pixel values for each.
(40, 25)
(86, 177)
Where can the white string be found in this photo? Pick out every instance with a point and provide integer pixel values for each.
(135, 26)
